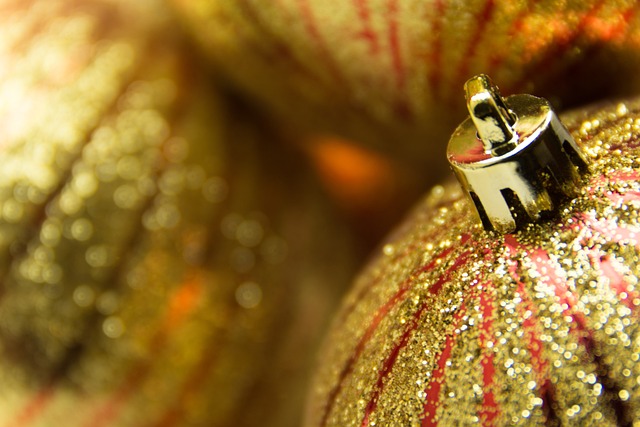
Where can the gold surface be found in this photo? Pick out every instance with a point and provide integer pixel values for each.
(452, 325)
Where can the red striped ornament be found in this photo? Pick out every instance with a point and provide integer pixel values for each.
(453, 325)
(388, 73)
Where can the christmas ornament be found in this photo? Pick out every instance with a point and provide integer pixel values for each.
(159, 260)
(452, 324)
(387, 73)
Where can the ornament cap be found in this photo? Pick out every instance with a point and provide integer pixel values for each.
(513, 156)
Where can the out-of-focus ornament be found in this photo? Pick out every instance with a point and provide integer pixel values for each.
(452, 324)
(161, 264)
(387, 72)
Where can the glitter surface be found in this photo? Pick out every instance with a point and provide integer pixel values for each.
(452, 325)
(144, 232)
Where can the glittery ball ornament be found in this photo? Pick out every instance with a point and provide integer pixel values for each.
(387, 73)
(159, 255)
(454, 325)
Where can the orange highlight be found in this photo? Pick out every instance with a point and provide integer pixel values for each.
(356, 177)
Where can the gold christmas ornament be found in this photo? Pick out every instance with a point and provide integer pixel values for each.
(451, 324)
(160, 261)
(387, 73)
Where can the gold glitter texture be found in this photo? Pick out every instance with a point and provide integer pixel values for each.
(159, 264)
(388, 73)
(453, 325)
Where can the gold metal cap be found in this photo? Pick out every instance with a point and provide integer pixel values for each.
(513, 156)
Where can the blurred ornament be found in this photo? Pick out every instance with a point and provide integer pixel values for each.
(454, 325)
(161, 263)
(387, 73)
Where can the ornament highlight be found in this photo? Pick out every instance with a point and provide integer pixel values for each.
(513, 156)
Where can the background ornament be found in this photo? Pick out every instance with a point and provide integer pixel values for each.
(387, 73)
(159, 257)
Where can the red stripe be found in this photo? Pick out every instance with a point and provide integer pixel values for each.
(35, 407)
(432, 390)
(280, 50)
(391, 359)
(381, 313)
(483, 20)
(489, 410)
(611, 230)
(622, 31)
(367, 32)
(366, 289)
(531, 329)
(464, 239)
(446, 276)
(348, 368)
(548, 269)
(619, 176)
(387, 366)
(546, 389)
(317, 38)
(549, 276)
(529, 326)
(498, 57)
(623, 198)
(402, 108)
(435, 57)
(560, 48)
(578, 325)
(107, 413)
(608, 33)
(607, 267)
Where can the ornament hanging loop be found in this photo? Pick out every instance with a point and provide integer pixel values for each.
(491, 117)
(513, 157)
